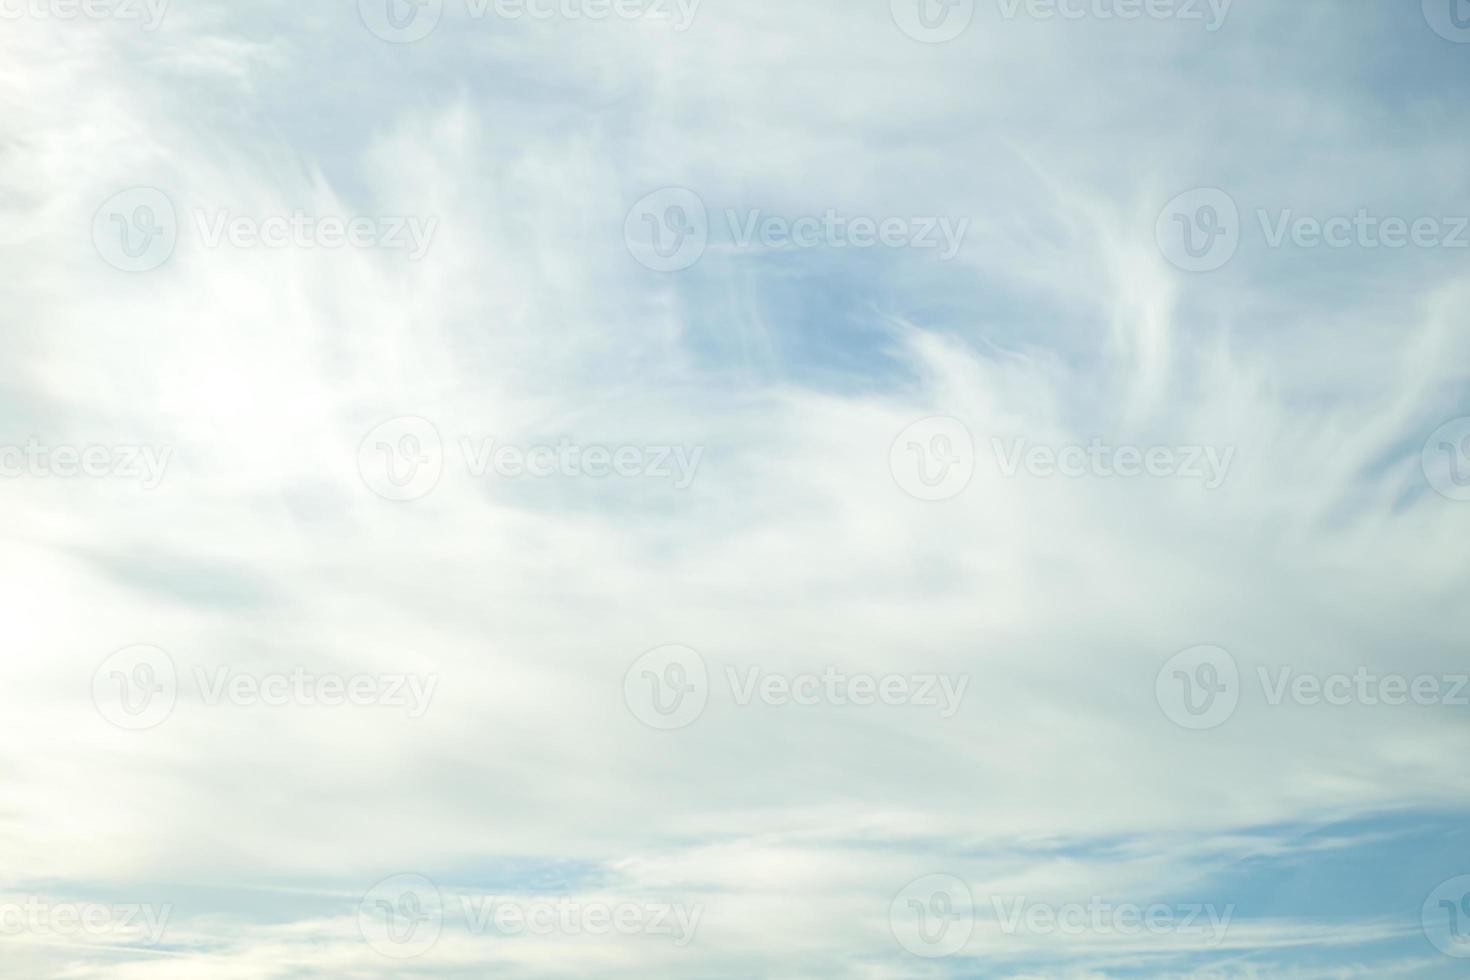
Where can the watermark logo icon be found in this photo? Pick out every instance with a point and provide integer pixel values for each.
(136, 688)
(1199, 231)
(136, 230)
(668, 230)
(401, 21)
(401, 917)
(1199, 688)
(933, 459)
(934, 916)
(933, 21)
(667, 688)
(1446, 460)
(402, 459)
(1450, 19)
(1446, 917)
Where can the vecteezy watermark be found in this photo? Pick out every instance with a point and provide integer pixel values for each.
(150, 12)
(669, 231)
(1211, 13)
(570, 460)
(668, 688)
(1208, 464)
(136, 230)
(298, 686)
(407, 21)
(933, 916)
(933, 459)
(301, 230)
(403, 459)
(932, 21)
(838, 689)
(937, 21)
(138, 688)
(1363, 230)
(1201, 687)
(1101, 917)
(1446, 460)
(1450, 19)
(1363, 687)
(1446, 917)
(123, 924)
(39, 461)
(402, 916)
(1201, 230)
(565, 916)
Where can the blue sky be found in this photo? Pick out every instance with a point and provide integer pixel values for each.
(536, 545)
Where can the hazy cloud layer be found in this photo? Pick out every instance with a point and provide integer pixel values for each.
(410, 456)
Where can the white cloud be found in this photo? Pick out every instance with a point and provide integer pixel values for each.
(794, 549)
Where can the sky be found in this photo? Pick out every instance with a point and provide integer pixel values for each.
(876, 489)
